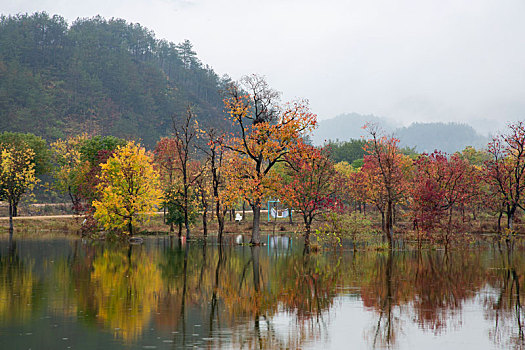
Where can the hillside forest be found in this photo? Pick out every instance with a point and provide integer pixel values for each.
(104, 77)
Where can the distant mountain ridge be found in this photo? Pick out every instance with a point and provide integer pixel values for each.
(446, 137)
(348, 126)
(424, 137)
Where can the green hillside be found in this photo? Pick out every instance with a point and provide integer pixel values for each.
(99, 76)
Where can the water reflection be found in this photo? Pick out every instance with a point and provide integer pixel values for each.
(17, 284)
(166, 293)
(503, 306)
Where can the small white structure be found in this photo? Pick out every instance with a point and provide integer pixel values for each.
(239, 239)
(238, 217)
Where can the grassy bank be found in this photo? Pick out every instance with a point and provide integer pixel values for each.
(69, 225)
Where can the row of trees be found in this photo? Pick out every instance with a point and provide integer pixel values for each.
(118, 181)
(440, 193)
(207, 171)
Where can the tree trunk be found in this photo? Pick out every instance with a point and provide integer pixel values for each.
(383, 220)
(186, 209)
(130, 228)
(256, 220)
(510, 218)
(393, 215)
(388, 224)
(205, 222)
(307, 229)
(11, 228)
(220, 219)
(187, 224)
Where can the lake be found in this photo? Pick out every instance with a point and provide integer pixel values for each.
(164, 294)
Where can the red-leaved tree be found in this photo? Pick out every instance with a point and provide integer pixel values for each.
(505, 171)
(310, 190)
(386, 175)
(441, 186)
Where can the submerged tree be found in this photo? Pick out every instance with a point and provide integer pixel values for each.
(505, 171)
(185, 134)
(311, 188)
(387, 172)
(266, 132)
(441, 185)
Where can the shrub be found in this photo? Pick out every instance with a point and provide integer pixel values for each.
(337, 228)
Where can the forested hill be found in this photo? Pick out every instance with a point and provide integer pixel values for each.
(423, 137)
(446, 137)
(348, 126)
(99, 76)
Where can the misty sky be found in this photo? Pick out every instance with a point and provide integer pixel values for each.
(448, 60)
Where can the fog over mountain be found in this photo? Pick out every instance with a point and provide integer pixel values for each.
(410, 60)
(424, 137)
(349, 126)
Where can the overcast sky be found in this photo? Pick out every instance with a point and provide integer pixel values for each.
(410, 60)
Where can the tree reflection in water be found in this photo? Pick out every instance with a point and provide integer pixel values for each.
(429, 287)
(215, 296)
(17, 285)
(503, 306)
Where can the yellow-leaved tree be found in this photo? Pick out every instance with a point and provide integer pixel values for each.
(17, 176)
(68, 172)
(129, 188)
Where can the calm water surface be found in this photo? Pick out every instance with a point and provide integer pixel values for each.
(69, 294)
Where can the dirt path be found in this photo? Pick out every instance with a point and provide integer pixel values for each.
(42, 217)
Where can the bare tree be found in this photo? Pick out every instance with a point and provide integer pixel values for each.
(185, 135)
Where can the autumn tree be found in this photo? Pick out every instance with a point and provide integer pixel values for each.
(505, 171)
(178, 211)
(185, 133)
(76, 171)
(265, 132)
(68, 168)
(166, 159)
(129, 188)
(94, 152)
(442, 184)
(17, 176)
(352, 181)
(387, 171)
(41, 158)
(217, 161)
(203, 190)
(42, 155)
(165, 155)
(310, 190)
